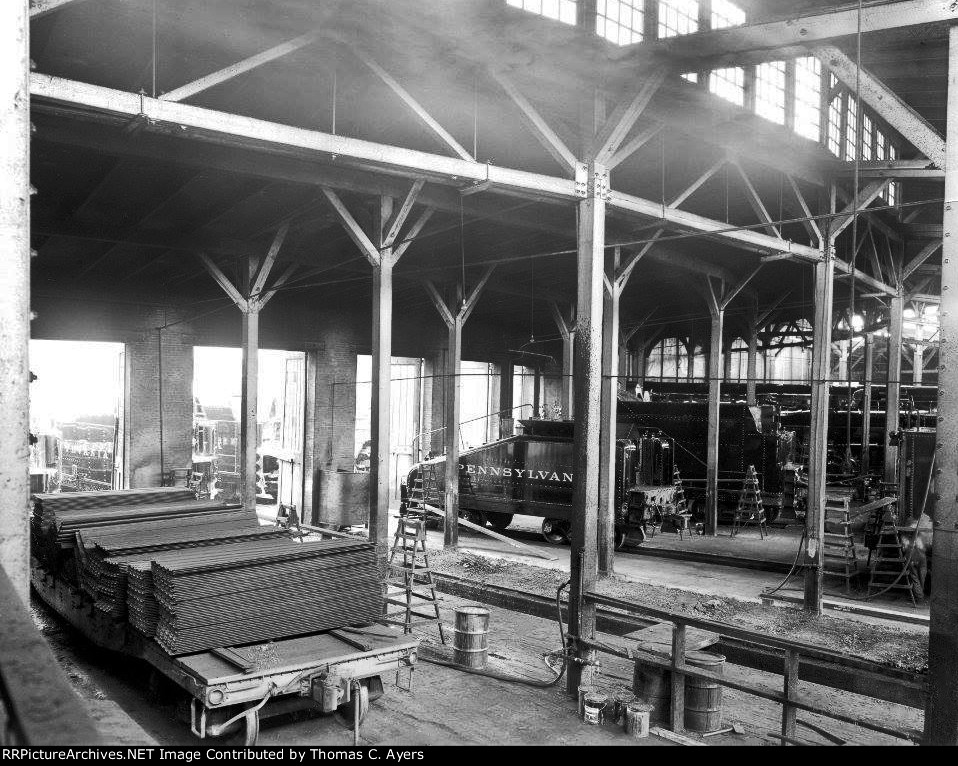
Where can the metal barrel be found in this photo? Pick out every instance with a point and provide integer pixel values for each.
(703, 699)
(653, 685)
(470, 643)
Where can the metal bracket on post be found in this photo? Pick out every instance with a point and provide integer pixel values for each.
(599, 183)
(581, 180)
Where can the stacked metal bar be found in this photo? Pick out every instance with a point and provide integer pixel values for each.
(241, 593)
(106, 566)
(51, 508)
(160, 532)
(141, 607)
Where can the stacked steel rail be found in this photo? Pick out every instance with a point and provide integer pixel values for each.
(109, 551)
(252, 591)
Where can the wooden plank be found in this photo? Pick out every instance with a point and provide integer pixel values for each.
(514, 543)
(658, 639)
(240, 67)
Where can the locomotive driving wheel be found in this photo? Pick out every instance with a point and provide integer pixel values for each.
(556, 531)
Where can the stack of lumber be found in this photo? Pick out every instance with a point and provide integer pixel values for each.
(246, 592)
(108, 551)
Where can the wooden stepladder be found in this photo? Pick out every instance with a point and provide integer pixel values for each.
(409, 583)
(424, 488)
(838, 545)
(890, 568)
(750, 509)
(681, 518)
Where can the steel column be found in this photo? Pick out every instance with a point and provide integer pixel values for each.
(248, 397)
(893, 387)
(380, 405)
(867, 402)
(941, 711)
(15, 292)
(715, 397)
(818, 432)
(610, 366)
(588, 371)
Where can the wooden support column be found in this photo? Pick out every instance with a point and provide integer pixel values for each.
(383, 247)
(15, 300)
(941, 711)
(250, 302)
(454, 318)
(613, 351)
(506, 415)
(380, 403)
(752, 361)
(896, 307)
(717, 314)
(565, 321)
(818, 431)
(585, 452)
(249, 408)
(609, 387)
(868, 362)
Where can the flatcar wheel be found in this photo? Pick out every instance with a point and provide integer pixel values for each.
(556, 531)
(252, 728)
(347, 711)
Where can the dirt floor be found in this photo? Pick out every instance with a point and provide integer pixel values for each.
(447, 706)
(901, 646)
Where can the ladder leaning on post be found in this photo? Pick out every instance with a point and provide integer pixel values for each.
(409, 580)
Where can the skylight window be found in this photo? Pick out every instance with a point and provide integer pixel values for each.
(728, 84)
(770, 91)
(562, 10)
(620, 20)
(808, 95)
(851, 130)
(868, 137)
(834, 141)
(726, 14)
(678, 17)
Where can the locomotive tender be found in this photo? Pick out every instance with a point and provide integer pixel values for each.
(531, 473)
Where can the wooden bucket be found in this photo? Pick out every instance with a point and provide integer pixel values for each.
(703, 699)
(653, 685)
(470, 643)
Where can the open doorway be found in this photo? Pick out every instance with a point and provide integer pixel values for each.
(217, 408)
(405, 416)
(76, 415)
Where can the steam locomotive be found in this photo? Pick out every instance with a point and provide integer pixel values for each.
(532, 474)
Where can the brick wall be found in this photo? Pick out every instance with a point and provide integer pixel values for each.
(159, 390)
